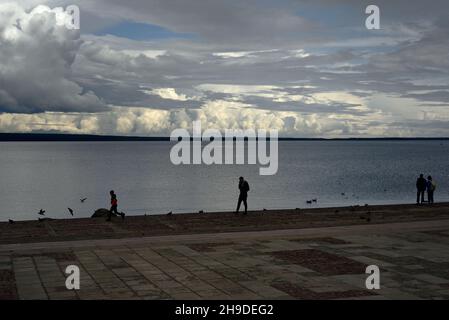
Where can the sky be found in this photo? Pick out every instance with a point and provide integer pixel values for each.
(308, 68)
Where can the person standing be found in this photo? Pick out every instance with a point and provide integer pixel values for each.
(421, 186)
(243, 196)
(431, 186)
(114, 205)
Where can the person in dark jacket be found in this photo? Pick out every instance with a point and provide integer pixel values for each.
(430, 189)
(421, 186)
(114, 204)
(244, 188)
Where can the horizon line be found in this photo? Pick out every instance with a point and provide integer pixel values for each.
(11, 137)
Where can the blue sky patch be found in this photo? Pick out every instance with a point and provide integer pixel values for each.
(142, 31)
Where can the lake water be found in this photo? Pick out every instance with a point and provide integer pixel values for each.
(56, 175)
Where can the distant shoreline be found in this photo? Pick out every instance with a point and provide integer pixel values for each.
(17, 137)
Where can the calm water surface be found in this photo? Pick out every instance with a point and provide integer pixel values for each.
(55, 175)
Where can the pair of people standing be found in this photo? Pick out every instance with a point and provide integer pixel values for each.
(423, 185)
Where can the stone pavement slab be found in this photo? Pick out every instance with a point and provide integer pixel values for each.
(312, 263)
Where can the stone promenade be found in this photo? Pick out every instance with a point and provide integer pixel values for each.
(301, 263)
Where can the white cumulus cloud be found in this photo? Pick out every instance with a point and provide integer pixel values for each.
(36, 54)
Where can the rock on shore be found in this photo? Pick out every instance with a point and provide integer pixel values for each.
(100, 213)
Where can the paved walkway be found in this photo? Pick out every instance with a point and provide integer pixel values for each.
(215, 222)
(312, 263)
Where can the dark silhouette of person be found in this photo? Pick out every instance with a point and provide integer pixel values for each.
(114, 204)
(244, 188)
(430, 189)
(421, 186)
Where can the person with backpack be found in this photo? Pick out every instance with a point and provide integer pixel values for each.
(243, 196)
(431, 186)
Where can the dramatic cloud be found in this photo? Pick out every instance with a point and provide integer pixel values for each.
(36, 54)
(216, 114)
(146, 67)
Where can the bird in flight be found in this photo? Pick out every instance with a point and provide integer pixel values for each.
(41, 212)
(83, 200)
(71, 211)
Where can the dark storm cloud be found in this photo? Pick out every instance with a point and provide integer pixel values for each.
(440, 96)
(305, 108)
(225, 22)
